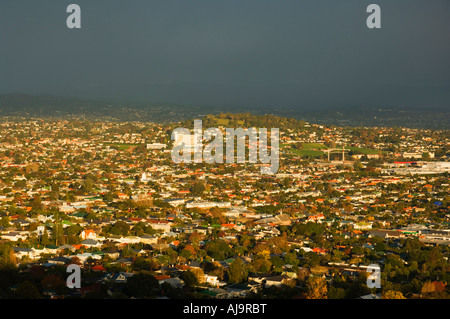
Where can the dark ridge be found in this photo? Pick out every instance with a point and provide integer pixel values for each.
(32, 106)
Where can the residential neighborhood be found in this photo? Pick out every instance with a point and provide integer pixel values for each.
(107, 197)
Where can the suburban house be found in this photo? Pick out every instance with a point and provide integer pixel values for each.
(385, 233)
(91, 243)
(212, 280)
(173, 281)
(120, 277)
(88, 234)
(276, 281)
(15, 235)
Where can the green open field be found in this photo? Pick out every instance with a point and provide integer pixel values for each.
(363, 150)
(308, 149)
(313, 146)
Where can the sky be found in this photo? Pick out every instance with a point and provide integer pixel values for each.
(303, 54)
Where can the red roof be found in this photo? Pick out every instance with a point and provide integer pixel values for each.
(182, 267)
(98, 268)
(161, 277)
(228, 225)
(89, 231)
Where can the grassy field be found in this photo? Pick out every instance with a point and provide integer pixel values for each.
(313, 146)
(364, 151)
(308, 149)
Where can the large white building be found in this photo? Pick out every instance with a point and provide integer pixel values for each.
(208, 204)
(426, 168)
(156, 146)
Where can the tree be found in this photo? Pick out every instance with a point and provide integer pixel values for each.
(36, 204)
(45, 240)
(12, 257)
(392, 294)
(312, 259)
(199, 274)
(53, 282)
(237, 272)
(141, 285)
(195, 238)
(188, 251)
(27, 290)
(142, 263)
(291, 259)
(316, 288)
(218, 249)
(427, 288)
(137, 230)
(88, 185)
(439, 286)
(189, 278)
(4, 222)
(277, 263)
(278, 244)
(57, 233)
(336, 293)
(197, 189)
(260, 265)
(120, 228)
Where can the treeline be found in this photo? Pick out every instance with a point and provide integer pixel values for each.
(236, 120)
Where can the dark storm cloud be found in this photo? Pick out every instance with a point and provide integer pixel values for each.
(248, 52)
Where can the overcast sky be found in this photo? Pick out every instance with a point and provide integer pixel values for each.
(276, 53)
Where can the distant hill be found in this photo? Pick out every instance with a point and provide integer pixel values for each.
(32, 106)
(247, 120)
(21, 105)
(372, 116)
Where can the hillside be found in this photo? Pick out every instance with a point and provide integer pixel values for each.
(248, 120)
